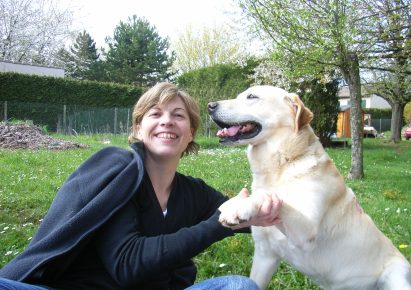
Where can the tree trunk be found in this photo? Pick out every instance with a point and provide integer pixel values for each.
(351, 74)
(396, 121)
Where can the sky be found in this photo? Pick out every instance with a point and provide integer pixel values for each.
(170, 17)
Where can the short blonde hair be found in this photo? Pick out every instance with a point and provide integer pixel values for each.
(162, 93)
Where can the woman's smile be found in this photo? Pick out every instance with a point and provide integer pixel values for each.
(165, 135)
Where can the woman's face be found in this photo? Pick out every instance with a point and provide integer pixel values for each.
(165, 129)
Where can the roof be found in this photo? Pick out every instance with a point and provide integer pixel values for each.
(345, 108)
(344, 92)
(34, 69)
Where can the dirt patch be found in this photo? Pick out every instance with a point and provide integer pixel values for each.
(22, 136)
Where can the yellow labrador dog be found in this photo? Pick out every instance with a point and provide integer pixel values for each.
(323, 233)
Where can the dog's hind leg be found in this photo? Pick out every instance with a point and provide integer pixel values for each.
(396, 276)
(263, 269)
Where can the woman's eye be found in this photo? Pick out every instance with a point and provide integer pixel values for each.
(251, 96)
(154, 114)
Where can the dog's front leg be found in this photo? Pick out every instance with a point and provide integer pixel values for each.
(300, 229)
(240, 209)
(264, 263)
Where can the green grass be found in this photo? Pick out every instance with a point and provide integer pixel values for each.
(30, 179)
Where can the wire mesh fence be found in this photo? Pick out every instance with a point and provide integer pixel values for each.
(97, 120)
(381, 125)
(69, 119)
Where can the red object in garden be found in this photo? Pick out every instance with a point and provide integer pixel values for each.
(408, 132)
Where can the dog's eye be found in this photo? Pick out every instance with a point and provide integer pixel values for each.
(251, 96)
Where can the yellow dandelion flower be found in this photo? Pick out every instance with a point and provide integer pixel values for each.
(402, 246)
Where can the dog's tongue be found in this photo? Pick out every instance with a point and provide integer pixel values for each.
(231, 131)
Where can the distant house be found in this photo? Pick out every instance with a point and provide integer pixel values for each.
(32, 69)
(343, 122)
(368, 101)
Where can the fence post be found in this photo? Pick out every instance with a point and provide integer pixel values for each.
(64, 119)
(5, 111)
(128, 120)
(115, 120)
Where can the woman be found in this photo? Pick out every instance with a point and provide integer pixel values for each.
(127, 219)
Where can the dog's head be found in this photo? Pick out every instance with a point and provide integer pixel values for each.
(257, 113)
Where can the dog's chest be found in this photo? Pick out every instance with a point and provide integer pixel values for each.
(280, 175)
(282, 166)
(312, 263)
(273, 239)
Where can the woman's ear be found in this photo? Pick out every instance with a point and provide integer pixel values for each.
(136, 132)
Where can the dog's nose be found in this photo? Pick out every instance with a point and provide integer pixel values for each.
(212, 106)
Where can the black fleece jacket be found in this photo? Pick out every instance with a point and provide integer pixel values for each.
(105, 229)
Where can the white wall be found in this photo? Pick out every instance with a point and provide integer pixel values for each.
(377, 102)
(31, 69)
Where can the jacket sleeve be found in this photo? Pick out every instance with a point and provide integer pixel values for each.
(100, 186)
(132, 258)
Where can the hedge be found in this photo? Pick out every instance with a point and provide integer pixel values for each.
(378, 113)
(43, 89)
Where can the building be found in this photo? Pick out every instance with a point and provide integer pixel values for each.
(343, 122)
(372, 125)
(368, 101)
(32, 69)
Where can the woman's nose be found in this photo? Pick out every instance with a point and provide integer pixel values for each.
(166, 119)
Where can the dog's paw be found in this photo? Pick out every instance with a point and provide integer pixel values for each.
(235, 212)
(231, 219)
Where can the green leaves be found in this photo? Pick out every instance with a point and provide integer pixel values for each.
(40, 89)
(82, 60)
(137, 54)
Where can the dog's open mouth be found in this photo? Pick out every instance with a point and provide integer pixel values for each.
(235, 132)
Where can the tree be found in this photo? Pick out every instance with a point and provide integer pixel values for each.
(407, 113)
(32, 31)
(395, 89)
(267, 73)
(389, 60)
(137, 54)
(344, 35)
(208, 47)
(82, 61)
(304, 47)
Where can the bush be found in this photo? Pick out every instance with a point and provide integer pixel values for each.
(322, 99)
(223, 81)
(41, 89)
(378, 113)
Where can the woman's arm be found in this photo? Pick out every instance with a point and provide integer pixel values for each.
(132, 258)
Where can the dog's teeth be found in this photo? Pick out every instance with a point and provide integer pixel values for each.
(222, 133)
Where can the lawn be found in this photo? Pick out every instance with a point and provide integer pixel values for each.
(30, 179)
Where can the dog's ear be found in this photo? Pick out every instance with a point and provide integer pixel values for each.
(303, 116)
